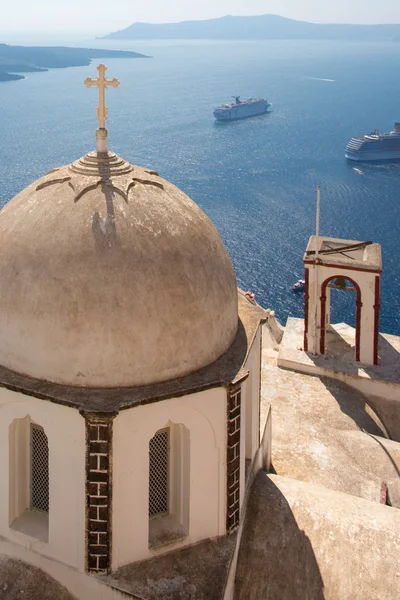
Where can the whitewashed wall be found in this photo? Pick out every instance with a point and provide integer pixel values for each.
(252, 397)
(204, 415)
(65, 430)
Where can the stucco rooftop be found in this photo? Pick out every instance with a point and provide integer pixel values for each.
(340, 356)
(349, 253)
(22, 581)
(197, 572)
(302, 541)
(325, 432)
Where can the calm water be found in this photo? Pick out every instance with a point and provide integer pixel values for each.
(255, 179)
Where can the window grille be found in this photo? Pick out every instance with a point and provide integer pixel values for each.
(159, 474)
(39, 470)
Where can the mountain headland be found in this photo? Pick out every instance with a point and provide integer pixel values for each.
(24, 59)
(261, 27)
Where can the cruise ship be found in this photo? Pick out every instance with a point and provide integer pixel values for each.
(375, 146)
(233, 111)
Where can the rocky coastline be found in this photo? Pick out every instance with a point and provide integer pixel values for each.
(15, 60)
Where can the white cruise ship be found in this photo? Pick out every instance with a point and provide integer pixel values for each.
(375, 146)
(233, 111)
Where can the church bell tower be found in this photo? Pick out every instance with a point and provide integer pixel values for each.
(347, 265)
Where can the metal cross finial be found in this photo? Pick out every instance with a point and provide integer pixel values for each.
(101, 82)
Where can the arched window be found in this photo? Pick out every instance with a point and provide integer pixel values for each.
(169, 466)
(28, 478)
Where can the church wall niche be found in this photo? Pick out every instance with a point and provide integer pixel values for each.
(169, 485)
(29, 479)
(64, 429)
(198, 473)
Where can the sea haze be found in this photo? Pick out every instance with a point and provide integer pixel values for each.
(256, 179)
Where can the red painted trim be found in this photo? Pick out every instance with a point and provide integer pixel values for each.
(322, 319)
(306, 299)
(311, 262)
(358, 323)
(323, 314)
(377, 307)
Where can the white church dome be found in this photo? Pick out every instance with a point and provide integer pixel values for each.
(111, 276)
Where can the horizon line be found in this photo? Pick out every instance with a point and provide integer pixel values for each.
(96, 32)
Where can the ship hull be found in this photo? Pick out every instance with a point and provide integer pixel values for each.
(239, 118)
(372, 156)
(375, 147)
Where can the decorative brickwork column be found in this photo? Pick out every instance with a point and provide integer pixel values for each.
(233, 459)
(98, 491)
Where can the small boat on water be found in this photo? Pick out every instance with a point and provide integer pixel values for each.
(298, 286)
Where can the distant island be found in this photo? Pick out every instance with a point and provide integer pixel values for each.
(263, 27)
(25, 59)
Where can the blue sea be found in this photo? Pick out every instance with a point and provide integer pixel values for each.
(255, 179)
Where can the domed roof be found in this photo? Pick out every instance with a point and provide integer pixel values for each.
(111, 276)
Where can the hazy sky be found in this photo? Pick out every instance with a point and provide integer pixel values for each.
(103, 16)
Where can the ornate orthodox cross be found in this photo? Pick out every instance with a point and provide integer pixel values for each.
(102, 83)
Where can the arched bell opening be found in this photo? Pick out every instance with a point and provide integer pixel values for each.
(339, 283)
(341, 302)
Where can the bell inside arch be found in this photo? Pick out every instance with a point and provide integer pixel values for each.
(340, 283)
